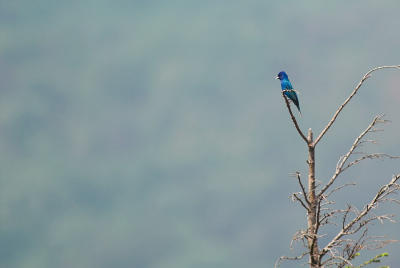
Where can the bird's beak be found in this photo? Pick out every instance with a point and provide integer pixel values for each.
(277, 77)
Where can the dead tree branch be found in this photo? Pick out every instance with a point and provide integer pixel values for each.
(296, 258)
(292, 116)
(343, 160)
(303, 190)
(358, 221)
(365, 77)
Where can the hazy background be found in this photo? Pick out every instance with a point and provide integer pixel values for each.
(153, 134)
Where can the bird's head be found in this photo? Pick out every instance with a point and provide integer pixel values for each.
(282, 75)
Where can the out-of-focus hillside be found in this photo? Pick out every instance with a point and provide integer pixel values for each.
(152, 133)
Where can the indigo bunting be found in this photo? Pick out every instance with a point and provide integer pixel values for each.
(288, 89)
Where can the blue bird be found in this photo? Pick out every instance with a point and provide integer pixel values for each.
(289, 91)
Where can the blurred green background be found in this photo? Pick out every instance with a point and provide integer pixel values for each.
(153, 134)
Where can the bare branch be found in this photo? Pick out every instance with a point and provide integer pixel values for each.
(300, 200)
(299, 235)
(370, 156)
(385, 190)
(339, 188)
(346, 213)
(355, 246)
(282, 258)
(330, 214)
(302, 187)
(365, 77)
(292, 116)
(343, 159)
(335, 256)
(379, 243)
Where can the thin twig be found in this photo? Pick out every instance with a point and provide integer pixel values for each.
(302, 187)
(370, 156)
(345, 216)
(339, 188)
(301, 201)
(293, 118)
(282, 258)
(365, 77)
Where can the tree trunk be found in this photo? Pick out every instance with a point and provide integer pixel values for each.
(312, 213)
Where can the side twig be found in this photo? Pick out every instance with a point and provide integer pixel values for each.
(302, 188)
(278, 262)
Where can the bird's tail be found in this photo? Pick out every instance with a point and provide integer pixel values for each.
(298, 108)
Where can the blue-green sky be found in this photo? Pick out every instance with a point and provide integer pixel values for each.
(152, 134)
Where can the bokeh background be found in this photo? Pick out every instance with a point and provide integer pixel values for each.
(153, 134)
